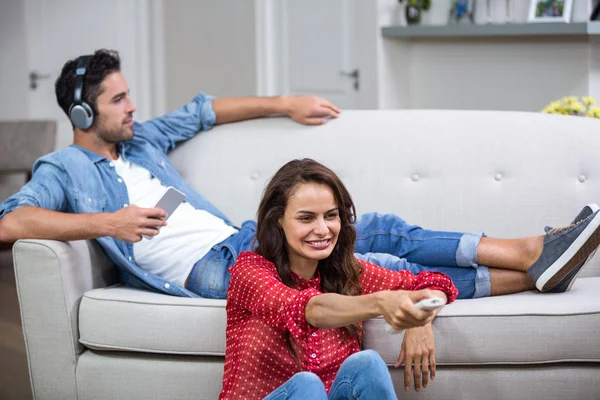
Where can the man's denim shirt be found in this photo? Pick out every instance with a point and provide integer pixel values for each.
(75, 180)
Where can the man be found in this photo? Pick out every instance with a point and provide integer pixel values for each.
(101, 187)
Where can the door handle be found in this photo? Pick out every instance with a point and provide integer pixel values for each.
(354, 74)
(34, 77)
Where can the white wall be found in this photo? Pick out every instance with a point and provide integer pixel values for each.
(13, 61)
(210, 47)
(499, 73)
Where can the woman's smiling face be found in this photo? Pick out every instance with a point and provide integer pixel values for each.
(311, 224)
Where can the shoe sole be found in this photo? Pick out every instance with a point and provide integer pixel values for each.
(573, 278)
(594, 207)
(581, 269)
(585, 244)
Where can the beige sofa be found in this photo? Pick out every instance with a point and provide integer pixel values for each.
(506, 173)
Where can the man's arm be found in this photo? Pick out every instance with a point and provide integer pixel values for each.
(127, 224)
(37, 212)
(308, 110)
(38, 223)
(205, 111)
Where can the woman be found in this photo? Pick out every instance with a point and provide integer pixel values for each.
(295, 307)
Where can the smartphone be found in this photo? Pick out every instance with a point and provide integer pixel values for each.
(169, 201)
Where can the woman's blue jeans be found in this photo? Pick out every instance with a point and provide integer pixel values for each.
(383, 239)
(363, 375)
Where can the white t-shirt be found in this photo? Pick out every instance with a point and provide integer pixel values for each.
(188, 236)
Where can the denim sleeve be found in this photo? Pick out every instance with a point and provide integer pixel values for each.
(45, 190)
(181, 124)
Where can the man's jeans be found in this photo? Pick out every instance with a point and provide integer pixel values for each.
(363, 375)
(385, 240)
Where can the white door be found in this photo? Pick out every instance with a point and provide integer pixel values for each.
(318, 50)
(55, 31)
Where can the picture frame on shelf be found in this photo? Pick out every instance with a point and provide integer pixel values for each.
(550, 11)
(462, 11)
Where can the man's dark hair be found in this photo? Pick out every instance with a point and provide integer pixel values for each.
(102, 63)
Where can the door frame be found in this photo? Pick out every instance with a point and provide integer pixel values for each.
(156, 39)
(270, 64)
(149, 57)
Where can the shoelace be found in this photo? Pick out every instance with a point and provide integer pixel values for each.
(556, 231)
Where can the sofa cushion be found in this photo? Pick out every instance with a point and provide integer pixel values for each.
(123, 318)
(528, 327)
(547, 327)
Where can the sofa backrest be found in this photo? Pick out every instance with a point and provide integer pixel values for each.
(505, 173)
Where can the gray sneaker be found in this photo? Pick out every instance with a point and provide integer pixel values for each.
(564, 250)
(585, 212)
(567, 283)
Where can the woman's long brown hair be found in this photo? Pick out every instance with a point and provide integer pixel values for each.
(340, 271)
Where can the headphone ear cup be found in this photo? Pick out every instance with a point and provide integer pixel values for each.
(81, 115)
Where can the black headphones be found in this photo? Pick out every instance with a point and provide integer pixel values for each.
(80, 112)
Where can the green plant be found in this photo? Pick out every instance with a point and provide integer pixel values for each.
(422, 4)
(573, 105)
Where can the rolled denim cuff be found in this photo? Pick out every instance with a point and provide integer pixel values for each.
(483, 285)
(466, 253)
(208, 116)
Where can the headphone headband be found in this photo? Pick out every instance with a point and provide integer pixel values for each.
(80, 71)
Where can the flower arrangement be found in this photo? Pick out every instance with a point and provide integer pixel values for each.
(573, 105)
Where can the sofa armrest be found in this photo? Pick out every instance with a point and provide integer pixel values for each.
(51, 277)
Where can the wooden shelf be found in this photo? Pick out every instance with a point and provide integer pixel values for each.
(491, 30)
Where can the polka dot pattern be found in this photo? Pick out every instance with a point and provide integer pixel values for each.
(262, 313)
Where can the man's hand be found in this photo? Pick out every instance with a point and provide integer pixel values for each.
(310, 110)
(418, 355)
(130, 223)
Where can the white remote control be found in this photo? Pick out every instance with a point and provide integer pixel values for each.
(430, 304)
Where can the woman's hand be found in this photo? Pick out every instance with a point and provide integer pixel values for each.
(398, 308)
(418, 355)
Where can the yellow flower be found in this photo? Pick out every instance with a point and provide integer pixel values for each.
(576, 107)
(570, 99)
(571, 105)
(555, 106)
(587, 100)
